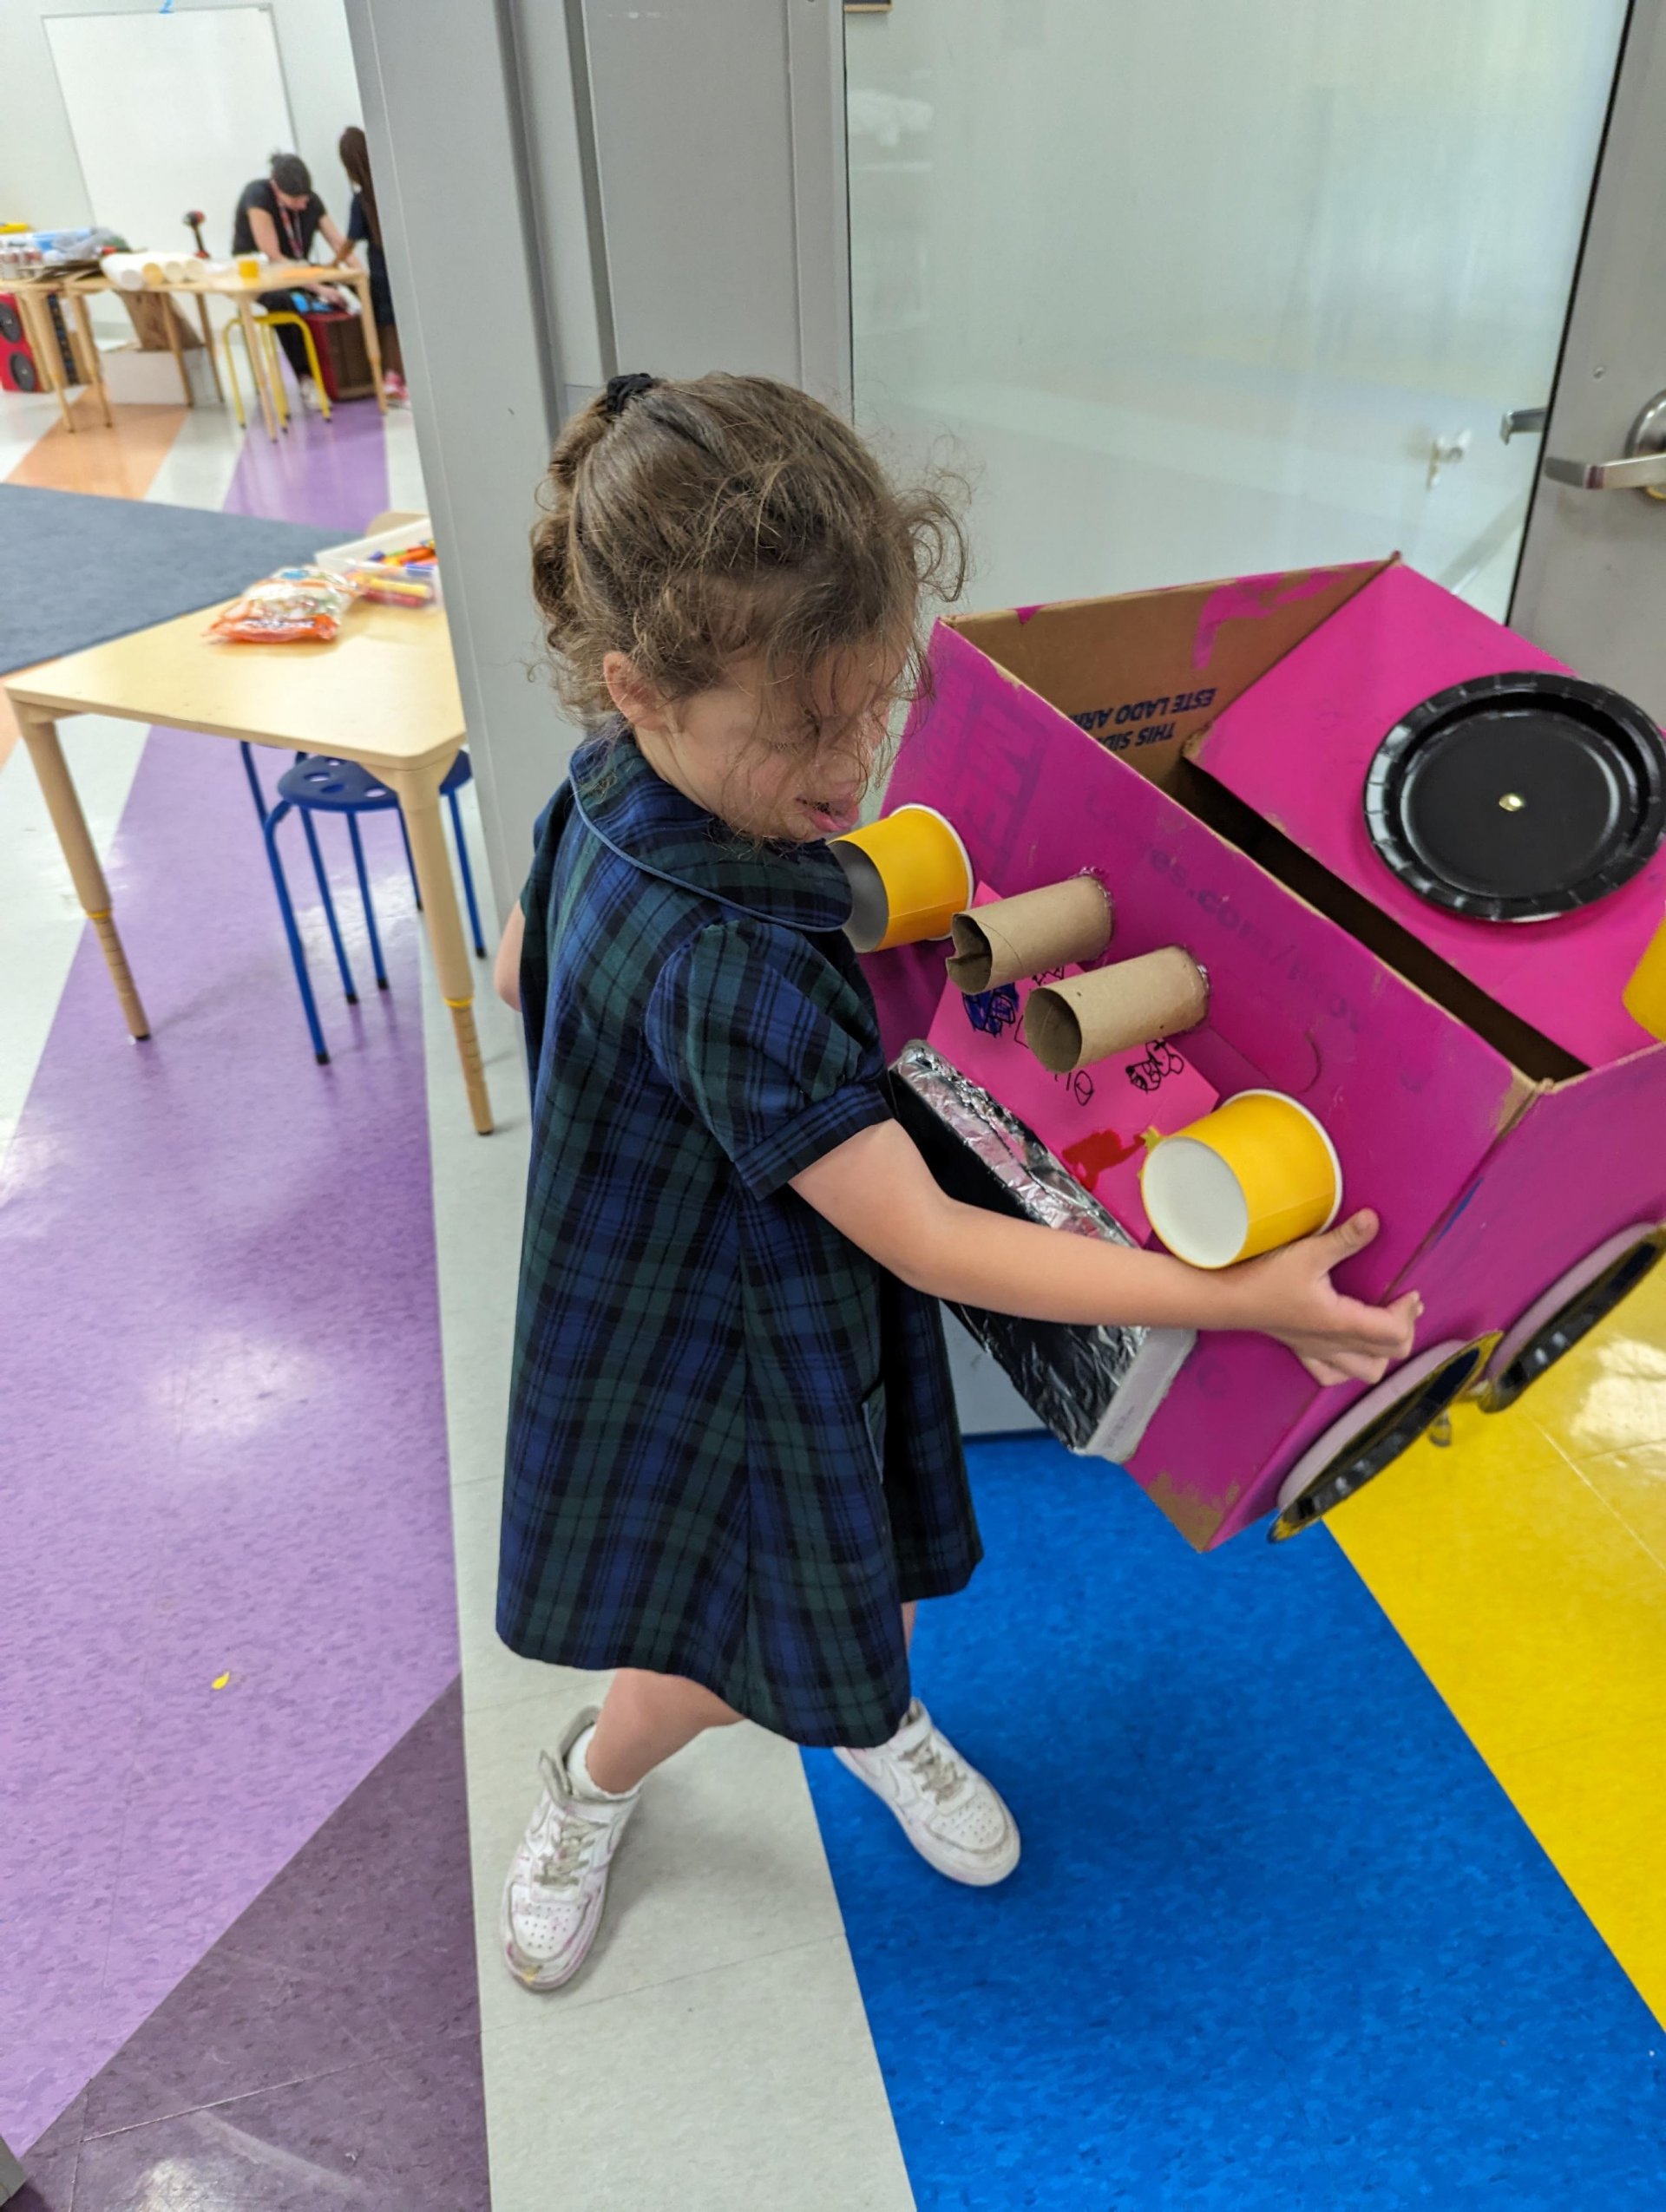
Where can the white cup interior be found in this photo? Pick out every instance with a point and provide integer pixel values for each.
(1194, 1202)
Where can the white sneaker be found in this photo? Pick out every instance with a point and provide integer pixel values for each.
(954, 1819)
(558, 1879)
(311, 404)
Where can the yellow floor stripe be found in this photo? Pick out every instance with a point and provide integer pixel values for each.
(1526, 1567)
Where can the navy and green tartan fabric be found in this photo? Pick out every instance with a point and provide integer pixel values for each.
(733, 1447)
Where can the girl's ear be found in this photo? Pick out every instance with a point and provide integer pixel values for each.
(631, 692)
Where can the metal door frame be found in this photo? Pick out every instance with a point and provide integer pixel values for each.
(1589, 412)
(489, 122)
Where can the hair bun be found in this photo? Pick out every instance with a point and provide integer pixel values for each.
(621, 390)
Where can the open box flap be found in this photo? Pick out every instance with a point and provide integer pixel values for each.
(1144, 672)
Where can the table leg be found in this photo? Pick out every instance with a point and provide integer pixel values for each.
(257, 365)
(208, 329)
(62, 803)
(418, 792)
(93, 366)
(177, 350)
(42, 336)
(372, 342)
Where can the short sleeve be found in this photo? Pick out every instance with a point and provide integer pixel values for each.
(765, 1040)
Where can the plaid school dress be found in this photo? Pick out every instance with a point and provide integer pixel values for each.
(733, 1449)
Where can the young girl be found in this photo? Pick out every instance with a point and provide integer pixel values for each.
(733, 1463)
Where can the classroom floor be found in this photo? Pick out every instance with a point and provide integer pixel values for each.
(1342, 1883)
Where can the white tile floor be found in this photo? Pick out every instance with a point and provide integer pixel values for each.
(715, 2051)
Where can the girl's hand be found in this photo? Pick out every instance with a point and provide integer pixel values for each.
(1289, 1295)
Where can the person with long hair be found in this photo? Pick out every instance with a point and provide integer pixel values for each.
(365, 227)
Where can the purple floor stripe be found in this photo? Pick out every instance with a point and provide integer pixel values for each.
(328, 2045)
(334, 474)
(224, 1440)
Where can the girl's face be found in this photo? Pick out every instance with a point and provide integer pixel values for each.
(791, 771)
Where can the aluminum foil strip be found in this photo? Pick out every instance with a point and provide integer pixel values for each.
(1096, 1389)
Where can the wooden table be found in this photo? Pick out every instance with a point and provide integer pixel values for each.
(34, 288)
(34, 292)
(384, 694)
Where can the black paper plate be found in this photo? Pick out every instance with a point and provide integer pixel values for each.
(1517, 797)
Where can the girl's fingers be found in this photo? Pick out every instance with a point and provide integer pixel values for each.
(1350, 1236)
(1324, 1372)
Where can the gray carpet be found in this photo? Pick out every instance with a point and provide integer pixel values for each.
(76, 570)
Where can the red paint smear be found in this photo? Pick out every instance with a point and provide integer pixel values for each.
(1096, 1155)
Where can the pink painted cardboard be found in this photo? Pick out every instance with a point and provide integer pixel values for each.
(1414, 1101)
(1093, 1119)
(1297, 746)
(1585, 1161)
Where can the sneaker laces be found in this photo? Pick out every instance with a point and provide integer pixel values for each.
(938, 1774)
(562, 1839)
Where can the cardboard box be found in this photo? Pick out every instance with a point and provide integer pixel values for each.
(135, 376)
(1486, 1091)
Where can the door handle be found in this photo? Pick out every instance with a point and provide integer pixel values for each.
(1641, 468)
(1522, 418)
(1636, 472)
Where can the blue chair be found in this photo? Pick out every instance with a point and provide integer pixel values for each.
(319, 784)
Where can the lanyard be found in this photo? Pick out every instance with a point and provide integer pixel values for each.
(292, 232)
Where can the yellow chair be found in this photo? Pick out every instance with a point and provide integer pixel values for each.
(267, 322)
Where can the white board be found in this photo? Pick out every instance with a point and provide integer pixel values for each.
(170, 113)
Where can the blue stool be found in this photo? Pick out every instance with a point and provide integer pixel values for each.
(320, 784)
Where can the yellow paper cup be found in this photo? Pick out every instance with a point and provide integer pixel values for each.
(909, 877)
(249, 266)
(1645, 995)
(1258, 1172)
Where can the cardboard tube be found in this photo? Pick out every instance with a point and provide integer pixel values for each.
(1087, 1017)
(1013, 938)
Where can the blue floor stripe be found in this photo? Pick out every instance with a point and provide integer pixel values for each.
(1278, 1939)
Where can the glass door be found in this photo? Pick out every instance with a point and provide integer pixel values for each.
(1199, 289)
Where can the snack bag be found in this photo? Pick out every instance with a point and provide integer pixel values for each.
(294, 606)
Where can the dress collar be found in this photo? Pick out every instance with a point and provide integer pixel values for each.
(649, 824)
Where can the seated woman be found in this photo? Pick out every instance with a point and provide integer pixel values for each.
(279, 215)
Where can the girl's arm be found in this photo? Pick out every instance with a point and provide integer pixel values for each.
(876, 1187)
(340, 247)
(506, 968)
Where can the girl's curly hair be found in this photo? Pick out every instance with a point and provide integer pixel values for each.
(694, 524)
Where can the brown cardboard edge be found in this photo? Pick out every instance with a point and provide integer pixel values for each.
(1194, 744)
(962, 623)
(1066, 724)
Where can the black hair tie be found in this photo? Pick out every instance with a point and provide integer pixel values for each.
(621, 390)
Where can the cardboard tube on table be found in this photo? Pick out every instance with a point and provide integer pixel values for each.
(1087, 1017)
(1013, 938)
